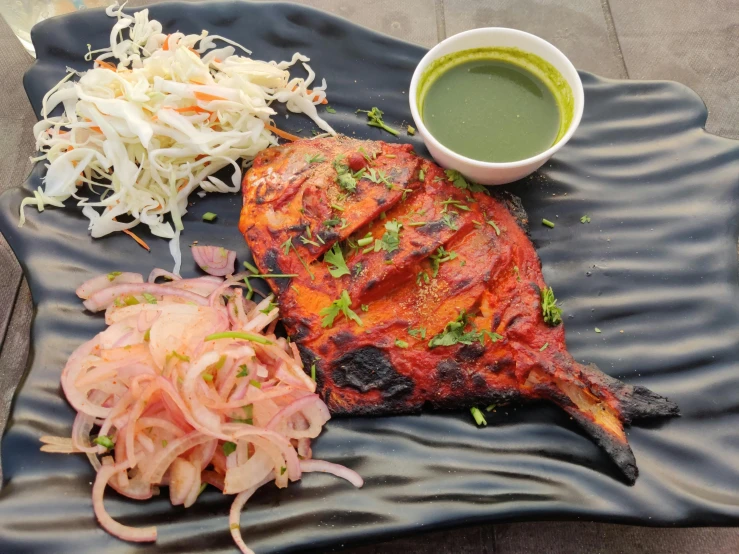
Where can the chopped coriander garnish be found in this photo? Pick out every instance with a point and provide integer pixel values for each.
(597, 330)
(341, 305)
(207, 377)
(329, 109)
(378, 177)
(181, 357)
(547, 223)
(416, 223)
(271, 306)
(420, 332)
(543, 348)
(283, 469)
(336, 263)
(313, 372)
(333, 222)
(314, 158)
(364, 308)
(209, 216)
(113, 274)
(439, 258)
(454, 333)
(461, 183)
(447, 220)
(251, 267)
(455, 204)
(337, 207)
(150, 298)
(164, 443)
(229, 448)
(549, 309)
(585, 219)
(244, 371)
(104, 441)
(401, 343)
(517, 272)
(490, 408)
(286, 249)
(479, 418)
(390, 241)
(147, 335)
(374, 117)
(130, 300)
(306, 240)
(256, 384)
(494, 226)
(238, 335)
(411, 130)
(421, 174)
(365, 240)
(422, 275)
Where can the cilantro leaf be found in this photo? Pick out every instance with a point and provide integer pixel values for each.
(314, 158)
(335, 258)
(461, 183)
(390, 241)
(329, 109)
(454, 333)
(585, 219)
(374, 119)
(401, 343)
(343, 306)
(440, 257)
(271, 306)
(549, 309)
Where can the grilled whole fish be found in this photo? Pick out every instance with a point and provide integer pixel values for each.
(447, 286)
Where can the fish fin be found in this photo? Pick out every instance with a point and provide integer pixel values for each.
(618, 450)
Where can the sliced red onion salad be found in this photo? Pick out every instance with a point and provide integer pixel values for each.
(214, 260)
(185, 388)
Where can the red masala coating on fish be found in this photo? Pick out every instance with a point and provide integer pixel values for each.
(458, 252)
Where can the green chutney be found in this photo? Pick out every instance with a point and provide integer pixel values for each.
(495, 104)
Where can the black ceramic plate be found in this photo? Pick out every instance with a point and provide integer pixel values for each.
(655, 270)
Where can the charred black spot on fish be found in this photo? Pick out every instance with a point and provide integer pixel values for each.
(328, 236)
(470, 352)
(271, 265)
(309, 358)
(432, 228)
(459, 286)
(381, 201)
(450, 372)
(343, 338)
(369, 368)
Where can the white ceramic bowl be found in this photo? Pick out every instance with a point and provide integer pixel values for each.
(494, 173)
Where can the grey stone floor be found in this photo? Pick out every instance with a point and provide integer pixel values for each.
(695, 42)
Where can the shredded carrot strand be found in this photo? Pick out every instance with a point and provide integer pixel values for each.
(194, 52)
(96, 129)
(196, 109)
(315, 98)
(280, 133)
(105, 65)
(137, 239)
(165, 46)
(205, 97)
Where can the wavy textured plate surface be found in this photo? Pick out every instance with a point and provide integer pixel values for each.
(655, 270)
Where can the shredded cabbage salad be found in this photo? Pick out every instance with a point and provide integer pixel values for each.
(154, 119)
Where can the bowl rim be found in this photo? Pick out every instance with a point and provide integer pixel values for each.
(540, 158)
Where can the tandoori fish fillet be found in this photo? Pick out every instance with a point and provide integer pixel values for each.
(412, 286)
